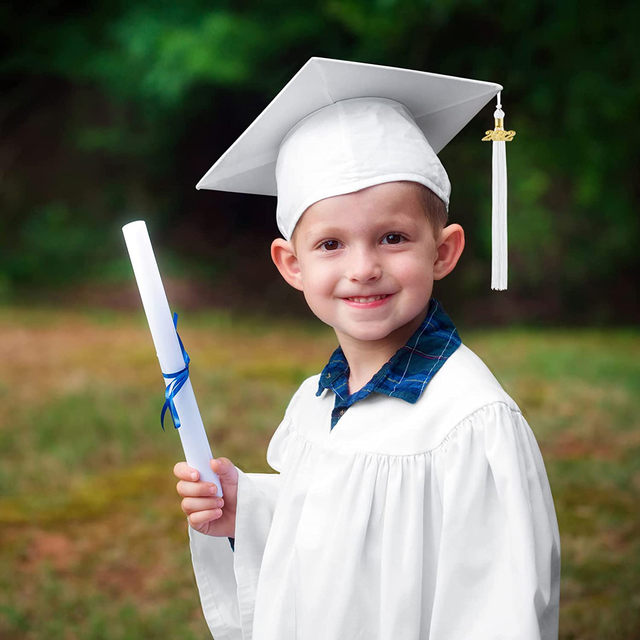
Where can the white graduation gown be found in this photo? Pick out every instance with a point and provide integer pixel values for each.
(405, 522)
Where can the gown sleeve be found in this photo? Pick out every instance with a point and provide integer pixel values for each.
(498, 565)
(226, 578)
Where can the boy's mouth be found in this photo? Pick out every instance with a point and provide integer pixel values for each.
(367, 299)
(367, 302)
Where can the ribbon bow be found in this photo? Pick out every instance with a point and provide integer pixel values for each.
(176, 383)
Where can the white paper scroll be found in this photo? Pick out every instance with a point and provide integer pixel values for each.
(154, 300)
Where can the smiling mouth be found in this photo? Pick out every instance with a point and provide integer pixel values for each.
(367, 299)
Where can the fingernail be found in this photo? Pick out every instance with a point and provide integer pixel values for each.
(213, 489)
(194, 476)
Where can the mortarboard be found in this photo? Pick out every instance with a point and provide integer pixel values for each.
(340, 126)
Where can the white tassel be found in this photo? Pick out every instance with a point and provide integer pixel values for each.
(499, 245)
(499, 137)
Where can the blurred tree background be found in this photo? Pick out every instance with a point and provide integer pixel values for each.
(113, 110)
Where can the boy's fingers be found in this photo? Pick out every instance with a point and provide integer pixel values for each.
(196, 489)
(183, 471)
(201, 517)
(193, 505)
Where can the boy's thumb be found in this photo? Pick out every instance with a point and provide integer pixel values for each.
(223, 467)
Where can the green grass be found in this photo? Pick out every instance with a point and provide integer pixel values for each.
(92, 540)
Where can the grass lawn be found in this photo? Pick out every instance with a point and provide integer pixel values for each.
(92, 539)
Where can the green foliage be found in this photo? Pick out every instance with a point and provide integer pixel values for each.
(55, 237)
(122, 106)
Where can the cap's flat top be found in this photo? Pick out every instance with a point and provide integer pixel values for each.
(441, 105)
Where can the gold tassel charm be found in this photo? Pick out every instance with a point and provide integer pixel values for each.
(498, 136)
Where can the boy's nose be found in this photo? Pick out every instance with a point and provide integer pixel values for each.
(364, 266)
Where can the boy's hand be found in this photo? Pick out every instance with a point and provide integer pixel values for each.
(206, 512)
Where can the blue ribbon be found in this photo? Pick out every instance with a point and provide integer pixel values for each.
(176, 383)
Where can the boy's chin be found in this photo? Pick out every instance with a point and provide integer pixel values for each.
(374, 334)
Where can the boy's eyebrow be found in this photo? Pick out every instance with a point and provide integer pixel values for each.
(396, 219)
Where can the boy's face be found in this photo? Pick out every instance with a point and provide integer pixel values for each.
(365, 262)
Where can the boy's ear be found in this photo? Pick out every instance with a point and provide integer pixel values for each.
(449, 249)
(284, 257)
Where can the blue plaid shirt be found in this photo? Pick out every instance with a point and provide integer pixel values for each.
(406, 374)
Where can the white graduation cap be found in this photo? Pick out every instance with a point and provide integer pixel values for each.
(339, 126)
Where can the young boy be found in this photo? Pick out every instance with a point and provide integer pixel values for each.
(411, 500)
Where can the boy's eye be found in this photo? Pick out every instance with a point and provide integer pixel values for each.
(330, 245)
(392, 238)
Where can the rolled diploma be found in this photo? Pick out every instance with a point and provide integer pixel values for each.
(154, 300)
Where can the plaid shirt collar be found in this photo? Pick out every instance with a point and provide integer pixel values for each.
(406, 374)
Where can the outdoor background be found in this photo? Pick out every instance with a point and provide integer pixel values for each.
(112, 111)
